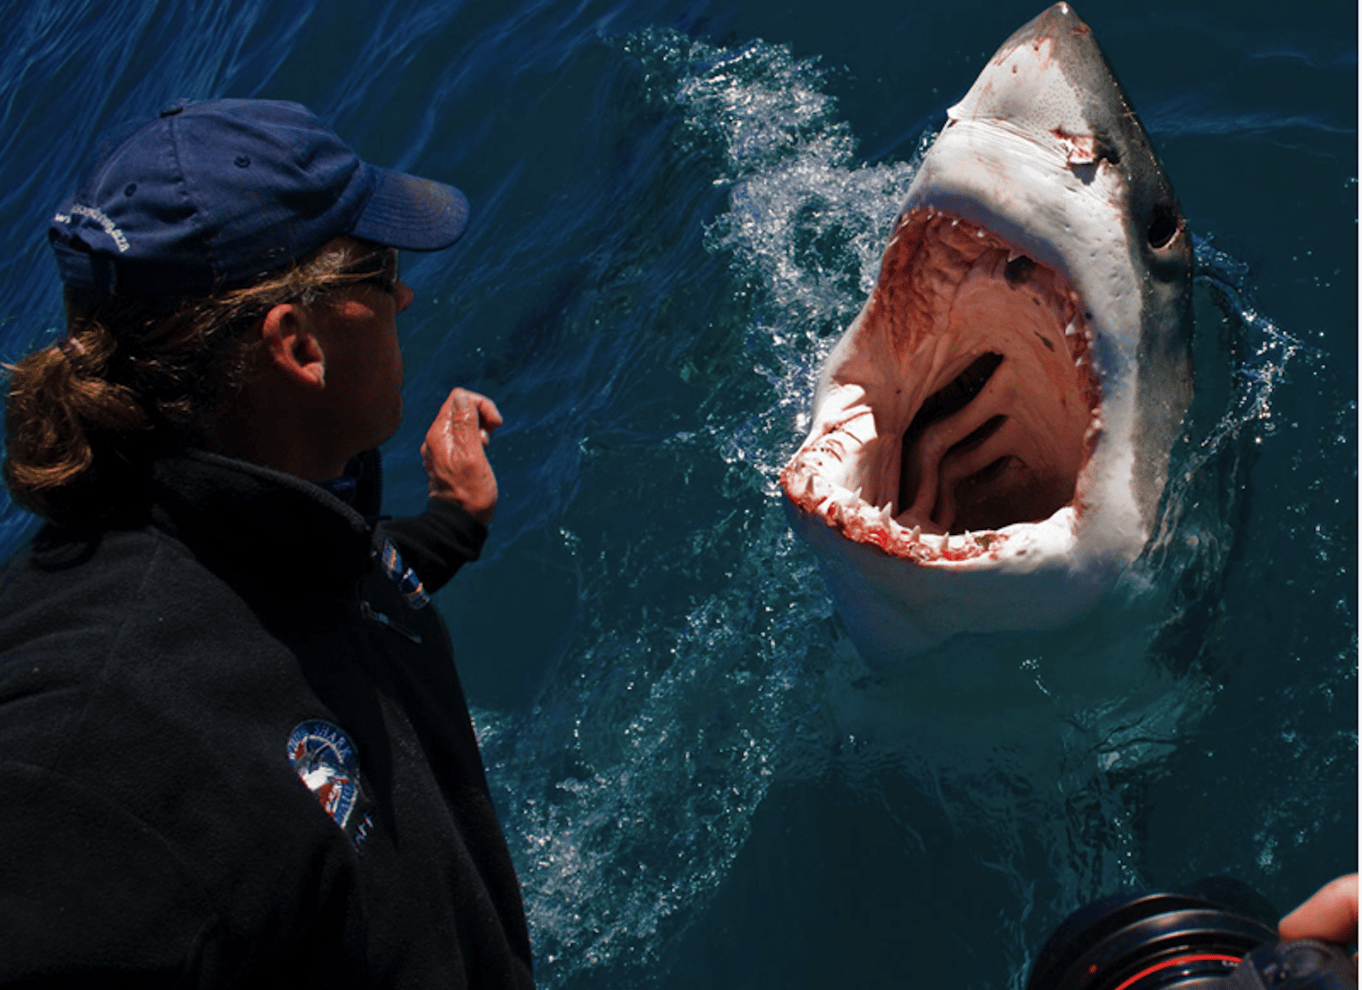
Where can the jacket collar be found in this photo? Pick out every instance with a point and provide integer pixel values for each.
(269, 525)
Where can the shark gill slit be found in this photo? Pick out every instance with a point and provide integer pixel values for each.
(945, 402)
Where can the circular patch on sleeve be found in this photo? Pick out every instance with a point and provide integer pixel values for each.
(326, 761)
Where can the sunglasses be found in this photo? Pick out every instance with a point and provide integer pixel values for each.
(379, 268)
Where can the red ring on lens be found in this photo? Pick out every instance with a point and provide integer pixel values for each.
(1180, 960)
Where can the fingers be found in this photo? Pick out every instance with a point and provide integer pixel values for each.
(1330, 915)
(454, 456)
(488, 414)
(465, 408)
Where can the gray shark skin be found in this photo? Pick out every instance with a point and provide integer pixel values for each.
(991, 435)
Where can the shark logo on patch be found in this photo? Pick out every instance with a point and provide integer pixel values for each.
(327, 762)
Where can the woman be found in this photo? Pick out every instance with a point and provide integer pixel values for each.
(233, 745)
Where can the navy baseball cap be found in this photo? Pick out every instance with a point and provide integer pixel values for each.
(215, 194)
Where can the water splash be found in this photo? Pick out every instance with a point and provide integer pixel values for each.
(806, 222)
(1242, 358)
(665, 737)
(631, 785)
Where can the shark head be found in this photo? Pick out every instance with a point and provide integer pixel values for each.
(991, 435)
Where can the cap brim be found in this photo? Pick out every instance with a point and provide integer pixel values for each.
(411, 213)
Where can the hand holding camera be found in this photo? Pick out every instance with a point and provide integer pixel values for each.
(1213, 937)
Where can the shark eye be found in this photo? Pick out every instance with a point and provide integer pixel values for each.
(1163, 226)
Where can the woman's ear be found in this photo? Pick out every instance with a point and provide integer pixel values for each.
(292, 346)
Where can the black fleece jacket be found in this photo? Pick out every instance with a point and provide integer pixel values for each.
(232, 754)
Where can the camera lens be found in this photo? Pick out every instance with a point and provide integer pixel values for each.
(1147, 940)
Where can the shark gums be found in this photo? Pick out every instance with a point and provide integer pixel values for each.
(991, 435)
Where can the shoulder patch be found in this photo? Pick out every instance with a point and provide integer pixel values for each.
(327, 762)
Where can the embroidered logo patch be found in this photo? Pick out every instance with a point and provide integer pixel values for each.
(326, 760)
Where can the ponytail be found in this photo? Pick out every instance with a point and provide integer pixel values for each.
(60, 403)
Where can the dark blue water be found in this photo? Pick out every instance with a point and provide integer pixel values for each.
(677, 206)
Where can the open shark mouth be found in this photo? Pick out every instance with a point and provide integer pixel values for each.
(977, 414)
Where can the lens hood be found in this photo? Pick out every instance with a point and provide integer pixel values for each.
(1142, 940)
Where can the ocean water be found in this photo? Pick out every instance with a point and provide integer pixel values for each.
(677, 205)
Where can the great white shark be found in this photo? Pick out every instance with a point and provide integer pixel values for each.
(991, 436)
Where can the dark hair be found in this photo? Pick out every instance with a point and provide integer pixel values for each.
(132, 377)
